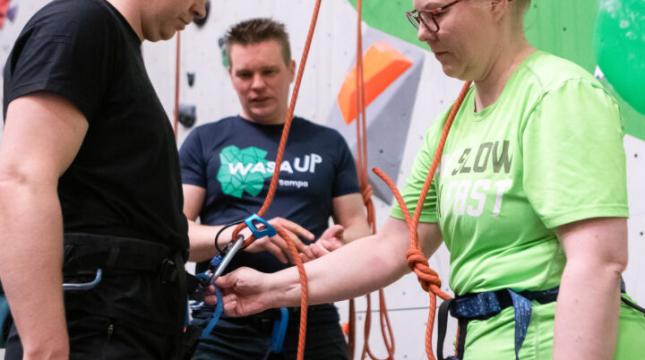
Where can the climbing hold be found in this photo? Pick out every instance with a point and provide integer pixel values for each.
(620, 48)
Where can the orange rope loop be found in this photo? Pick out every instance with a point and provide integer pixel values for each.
(417, 261)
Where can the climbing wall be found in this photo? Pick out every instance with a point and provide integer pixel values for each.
(14, 14)
(413, 93)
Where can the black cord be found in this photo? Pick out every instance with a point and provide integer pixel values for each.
(216, 240)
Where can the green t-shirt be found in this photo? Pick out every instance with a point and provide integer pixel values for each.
(548, 152)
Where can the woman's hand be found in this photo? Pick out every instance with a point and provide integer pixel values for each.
(245, 292)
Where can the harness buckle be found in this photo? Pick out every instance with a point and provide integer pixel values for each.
(168, 271)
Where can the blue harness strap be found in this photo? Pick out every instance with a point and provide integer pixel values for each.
(279, 331)
(219, 309)
(523, 311)
(485, 305)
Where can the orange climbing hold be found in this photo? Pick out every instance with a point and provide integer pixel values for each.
(382, 65)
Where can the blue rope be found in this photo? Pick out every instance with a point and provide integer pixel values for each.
(219, 309)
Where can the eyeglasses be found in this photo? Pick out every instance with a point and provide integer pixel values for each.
(428, 17)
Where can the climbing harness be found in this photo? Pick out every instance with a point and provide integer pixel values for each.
(96, 254)
(417, 261)
(5, 315)
(483, 306)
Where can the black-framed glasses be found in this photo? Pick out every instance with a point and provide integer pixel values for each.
(428, 18)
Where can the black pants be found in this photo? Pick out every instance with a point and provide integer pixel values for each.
(127, 316)
(249, 339)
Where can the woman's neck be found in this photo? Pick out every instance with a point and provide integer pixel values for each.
(490, 87)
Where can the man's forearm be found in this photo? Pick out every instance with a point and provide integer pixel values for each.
(356, 230)
(202, 240)
(31, 266)
(587, 313)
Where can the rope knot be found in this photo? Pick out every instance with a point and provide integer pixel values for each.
(418, 263)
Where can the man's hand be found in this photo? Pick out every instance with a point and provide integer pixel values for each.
(277, 245)
(329, 241)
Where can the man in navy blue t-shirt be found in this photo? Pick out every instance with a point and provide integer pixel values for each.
(226, 167)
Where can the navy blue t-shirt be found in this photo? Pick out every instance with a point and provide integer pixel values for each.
(233, 159)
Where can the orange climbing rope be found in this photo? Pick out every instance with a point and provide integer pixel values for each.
(417, 261)
(304, 300)
(366, 190)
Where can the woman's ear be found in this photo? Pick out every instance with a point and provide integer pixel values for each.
(499, 8)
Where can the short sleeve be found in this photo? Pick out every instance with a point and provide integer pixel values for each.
(414, 185)
(574, 160)
(191, 158)
(66, 57)
(346, 179)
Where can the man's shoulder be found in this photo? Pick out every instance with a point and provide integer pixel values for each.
(216, 125)
(73, 11)
(87, 21)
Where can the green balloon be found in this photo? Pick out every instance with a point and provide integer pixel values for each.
(620, 48)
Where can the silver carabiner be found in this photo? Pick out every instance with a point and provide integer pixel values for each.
(237, 246)
(84, 286)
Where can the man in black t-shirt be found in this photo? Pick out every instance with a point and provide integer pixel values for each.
(226, 167)
(89, 180)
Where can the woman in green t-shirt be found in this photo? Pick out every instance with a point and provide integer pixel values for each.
(530, 200)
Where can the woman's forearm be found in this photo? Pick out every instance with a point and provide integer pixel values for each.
(355, 269)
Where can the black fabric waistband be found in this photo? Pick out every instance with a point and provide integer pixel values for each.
(87, 252)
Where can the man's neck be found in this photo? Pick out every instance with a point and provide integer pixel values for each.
(131, 12)
(278, 120)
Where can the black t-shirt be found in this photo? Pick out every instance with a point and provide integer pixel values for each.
(125, 179)
(233, 159)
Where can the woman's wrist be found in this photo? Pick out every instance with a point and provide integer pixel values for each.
(285, 288)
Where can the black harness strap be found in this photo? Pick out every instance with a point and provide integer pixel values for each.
(87, 252)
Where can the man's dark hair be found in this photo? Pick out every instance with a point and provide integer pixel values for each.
(255, 31)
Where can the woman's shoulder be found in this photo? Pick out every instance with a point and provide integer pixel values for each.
(548, 72)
